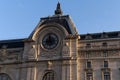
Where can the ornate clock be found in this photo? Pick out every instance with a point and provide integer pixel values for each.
(50, 41)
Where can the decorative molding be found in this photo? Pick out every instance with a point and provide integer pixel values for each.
(65, 50)
(32, 53)
(49, 54)
(106, 69)
(88, 70)
(70, 36)
(100, 54)
(9, 54)
(3, 54)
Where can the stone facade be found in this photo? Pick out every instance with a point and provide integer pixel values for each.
(55, 51)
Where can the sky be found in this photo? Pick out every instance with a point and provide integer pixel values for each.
(18, 18)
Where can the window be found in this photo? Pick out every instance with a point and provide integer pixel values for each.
(104, 35)
(106, 76)
(104, 44)
(88, 45)
(88, 54)
(89, 76)
(105, 64)
(106, 71)
(105, 53)
(49, 76)
(4, 77)
(88, 64)
(88, 36)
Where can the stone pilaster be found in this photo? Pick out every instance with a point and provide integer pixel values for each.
(65, 70)
(31, 73)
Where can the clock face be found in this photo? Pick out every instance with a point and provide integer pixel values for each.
(50, 41)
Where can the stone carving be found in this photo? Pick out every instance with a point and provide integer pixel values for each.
(31, 53)
(3, 53)
(101, 54)
(13, 54)
(49, 54)
(66, 49)
(9, 54)
(49, 65)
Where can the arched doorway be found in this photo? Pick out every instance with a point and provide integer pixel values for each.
(4, 76)
(49, 75)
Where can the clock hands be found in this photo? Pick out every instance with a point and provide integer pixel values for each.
(50, 41)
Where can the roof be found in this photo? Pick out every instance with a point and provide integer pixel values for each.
(102, 35)
(14, 43)
(65, 21)
(19, 43)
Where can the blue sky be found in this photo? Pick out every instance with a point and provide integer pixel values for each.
(18, 18)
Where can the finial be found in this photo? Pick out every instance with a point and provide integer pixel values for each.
(58, 10)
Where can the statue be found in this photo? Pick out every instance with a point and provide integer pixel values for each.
(3, 53)
(31, 53)
(66, 49)
(49, 65)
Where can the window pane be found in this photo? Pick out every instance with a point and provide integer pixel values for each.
(106, 76)
(89, 76)
(88, 45)
(88, 64)
(104, 44)
(105, 64)
(48, 76)
(4, 77)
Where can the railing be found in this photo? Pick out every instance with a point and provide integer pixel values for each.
(99, 47)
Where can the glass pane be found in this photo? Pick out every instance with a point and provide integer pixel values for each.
(88, 64)
(88, 45)
(89, 76)
(104, 44)
(48, 76)
(105, 64)
(106, 76)
(4, 77)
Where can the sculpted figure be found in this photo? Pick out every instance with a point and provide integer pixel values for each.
(66, 49)
(31, 53)
(3, 53)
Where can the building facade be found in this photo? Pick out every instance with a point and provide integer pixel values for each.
(55, 51)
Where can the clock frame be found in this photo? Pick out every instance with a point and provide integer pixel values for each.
(50, 41)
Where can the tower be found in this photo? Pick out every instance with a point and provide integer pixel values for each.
(52, 48)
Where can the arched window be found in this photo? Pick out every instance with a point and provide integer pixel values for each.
(107, 76)
(89, 76)
(4, 76)
(49, 76)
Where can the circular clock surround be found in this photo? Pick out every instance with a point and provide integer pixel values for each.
(50, 41)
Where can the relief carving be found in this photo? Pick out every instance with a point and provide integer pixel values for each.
(49, 54)
(66, 49)
(98, 54)
(49, 64)
(31, 53)
(10, 55)
(3, 53)
(13, 55)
